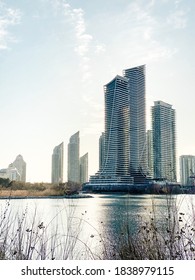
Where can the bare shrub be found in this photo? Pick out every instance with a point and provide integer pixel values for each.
(24, 237)
(163, 236)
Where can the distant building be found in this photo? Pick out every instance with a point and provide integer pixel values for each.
(3, 173)
(164, 141)
(58, 164)
(101, 150)
(16, 171)
(73, 158)
(187, 170)
(20, 165)
(13, 173)
(84, 168)
(149, 149)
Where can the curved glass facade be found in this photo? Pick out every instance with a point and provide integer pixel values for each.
(101, 150)
(137, 107)
(115, 166)
(116, 162)
(125, 130)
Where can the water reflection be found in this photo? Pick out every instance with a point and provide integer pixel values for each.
(81, 228)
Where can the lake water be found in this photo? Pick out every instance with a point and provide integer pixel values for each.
(82, 228)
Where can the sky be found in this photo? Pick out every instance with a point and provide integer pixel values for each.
(56, 56)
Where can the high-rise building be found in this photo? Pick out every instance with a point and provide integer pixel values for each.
(187, 170)
(10, 173)
(116, 162)
(164, 141)
(84, 168)
(57, 164)
(137, 108)
(101, 150)
(20, 165)
(115, 165)
(149, 149)
(13, 173)
(123, 146)
(73, 158)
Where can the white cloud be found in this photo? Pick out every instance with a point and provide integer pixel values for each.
(85, 45)
(83, 39)
(100, 49)
(147, 33)
(8, 17)
(151, 3)
(144, 43)
(159, 52)
(177, 19)
(177, 2)
(76, 18)
(82, 47)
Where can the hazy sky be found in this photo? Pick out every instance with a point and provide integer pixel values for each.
(56, 56)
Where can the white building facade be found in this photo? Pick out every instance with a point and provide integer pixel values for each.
(57, 164)
(20, 165)
(84, 168)
(16, 171)
(73, 158)
(164, 141)
(187, 170)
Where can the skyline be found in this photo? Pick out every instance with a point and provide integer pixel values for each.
(56, 56)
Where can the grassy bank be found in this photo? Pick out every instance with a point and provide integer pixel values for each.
(21, 189)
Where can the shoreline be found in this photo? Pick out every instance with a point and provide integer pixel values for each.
(85, 195)
(48, 197)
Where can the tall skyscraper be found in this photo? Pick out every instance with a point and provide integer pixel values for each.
(101, 150)
(122, 155)
(137, 108)
(187, 170)
(84, 168)
(57, 164)
(115, 168)
(20, 165)
(116, 128)
(73, 158)
(149, 149)
(164, 141)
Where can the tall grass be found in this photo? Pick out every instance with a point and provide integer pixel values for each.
(21, 189)
(27, 237)
(161, 236)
